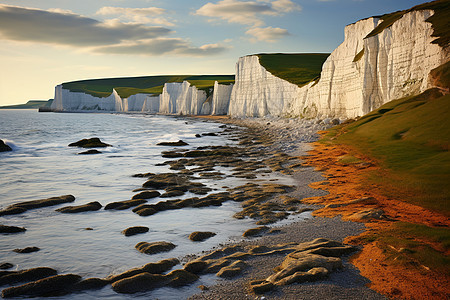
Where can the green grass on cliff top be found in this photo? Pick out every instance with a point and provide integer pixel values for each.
(440, 20)
(127, 86)
(298, 69)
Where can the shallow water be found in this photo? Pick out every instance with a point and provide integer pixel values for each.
(42, 166)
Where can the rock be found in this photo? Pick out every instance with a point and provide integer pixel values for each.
(197, 135)
(135, 230)
(139, 283)
(146, 195)
(232, 270)
(313, 274)
(179, 143)
(11, 229)
(181, 278)
(196, 266)
(6, 266)
(50, 286)
(368, 214)
(141, 175)
(91, 206)
(148, 211)
(121, 205)
(4, 147)
(27, 250)
(90, 284)
(263, 287)
(27, 275)
(201, 235)
(90, 143)
(19, 208)
(203, 287)
(92, 151)
(255, 231)
(155, 247)
(209, 134)
(152, 268)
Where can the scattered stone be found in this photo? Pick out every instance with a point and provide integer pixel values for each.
(92, 151)
(201, 235)
(135, 230)
(90, 143)
(19, 208)
(121, 205)
(89, 228)
(255, 231)
(4, 147)
(197, 135)
(155, 247)
(27, 275)
(27, 250)
(11, 229)
(51, 286)
(209, 134)
(146, 195)
(179, 143)
(203, 287)
(6, 266)
(91, 206)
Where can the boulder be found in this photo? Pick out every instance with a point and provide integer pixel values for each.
(11, 229)
(27, 250)
(90, 143)
(152, 268)
(201, 235)
(19, 208)
(179, 143)
(139, 283)
(196, 266)
(155, 247)
(92, 151)
(232, 270)
(6, 266)
(91, 206)
(368, 214)
(146, 195)
(90, 284)
(121, 205)
(50, 286)
(135, 230)
(313, 274)
(181, 278)
(27, 275)
(4, 147)
(255, 231)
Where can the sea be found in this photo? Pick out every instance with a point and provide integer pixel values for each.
(42, 165)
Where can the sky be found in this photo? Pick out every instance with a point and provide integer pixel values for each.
(48, 42)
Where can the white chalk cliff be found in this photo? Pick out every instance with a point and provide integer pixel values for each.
(395, 63)
(180, 98)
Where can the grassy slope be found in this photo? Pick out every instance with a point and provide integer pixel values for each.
(410, 138)
(440, 20)
(127, 86)
(298, 69)
(32, 104)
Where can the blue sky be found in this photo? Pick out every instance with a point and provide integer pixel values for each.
(48, 42)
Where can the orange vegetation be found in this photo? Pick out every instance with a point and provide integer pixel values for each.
(348, 182)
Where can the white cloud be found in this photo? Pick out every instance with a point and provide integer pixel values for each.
(148, 15)
(267, 34)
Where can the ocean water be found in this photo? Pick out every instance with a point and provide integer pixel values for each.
(42, 165)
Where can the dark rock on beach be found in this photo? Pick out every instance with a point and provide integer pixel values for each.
(179, 143)
(90, 284)
(51, 286)
(155, 247)
(147, 195)
(135, 230)
(159, 267)
(11, 229)
(139, 283)
(255, 231)
(4, 147)
(91, 206)
(19, 208)
(6, 266)
(90, 143)
(26, 275)
(121, 205)
(92, 151)
(199, 236)
(27, 250)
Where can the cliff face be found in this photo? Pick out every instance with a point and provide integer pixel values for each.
(176, 98)
(359, 76)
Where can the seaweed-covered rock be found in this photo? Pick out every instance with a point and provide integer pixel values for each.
(121, 205)
(152, 268)
(181, 278)
(4, 147)
(179, 143)
(146, 195)
(50, 286)
(11, 229)
(199, 236)
(139, 283)
(27, 275)
(155, 247)
(90, 143)
(27, 250)
(255, 231)
(135, 230)
(196, 266)
(19, 208)
(91, 206)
